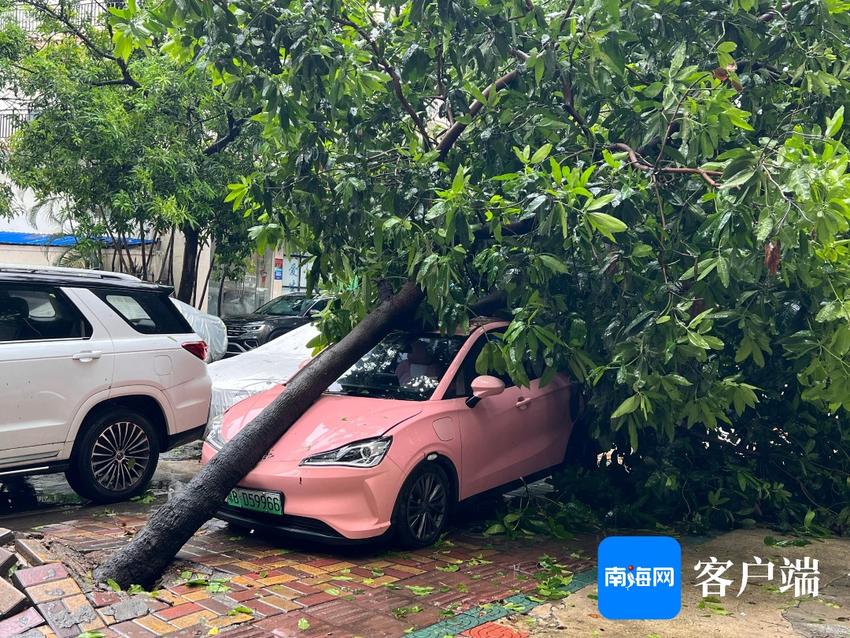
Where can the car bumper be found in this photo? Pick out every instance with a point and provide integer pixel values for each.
(354, 503)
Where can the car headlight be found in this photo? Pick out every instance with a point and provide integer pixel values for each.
(253, 327)
(213, 432)
(366, 453)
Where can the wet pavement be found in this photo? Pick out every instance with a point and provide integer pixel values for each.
(242, 584)
(469, 585)
(28, 502)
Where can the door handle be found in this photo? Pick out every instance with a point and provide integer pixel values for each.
(87, 355)
(522, 403)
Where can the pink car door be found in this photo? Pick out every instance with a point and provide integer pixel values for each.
(514, 434)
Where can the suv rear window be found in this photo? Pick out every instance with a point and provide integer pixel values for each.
(148, 313)
(36, 314)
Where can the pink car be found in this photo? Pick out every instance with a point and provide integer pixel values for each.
(401, 437)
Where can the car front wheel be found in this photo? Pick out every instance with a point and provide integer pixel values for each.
(423, 506)
(115, 457)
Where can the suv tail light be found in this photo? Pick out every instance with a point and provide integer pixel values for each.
(197, 348)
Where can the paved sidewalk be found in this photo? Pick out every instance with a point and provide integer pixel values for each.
(246, 586)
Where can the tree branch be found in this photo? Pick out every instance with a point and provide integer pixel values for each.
(61, 17)
(636, 163)
(394, 77)
(234, 128)
(454, 131)
(772, 14)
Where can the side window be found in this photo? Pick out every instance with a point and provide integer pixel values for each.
(148, 313)
(37, 314)
(318, 306)
(462, 383)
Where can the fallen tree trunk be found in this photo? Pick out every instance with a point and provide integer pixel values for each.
(145, 558)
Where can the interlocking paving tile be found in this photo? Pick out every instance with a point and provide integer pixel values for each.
(33, 551)
(338, 594)
(11, 600)
(30, 576)
(493, 630)
(19, 623)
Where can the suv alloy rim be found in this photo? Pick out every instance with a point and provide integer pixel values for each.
(120, 456)
(426, 506)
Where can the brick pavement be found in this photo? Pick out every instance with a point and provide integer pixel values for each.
(244, 586)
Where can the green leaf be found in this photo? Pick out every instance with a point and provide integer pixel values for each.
(606, 224)
(541, 154)
(678, 58)
(723, 271)
(727, 47)
(495, 529)
(553, 263)
(738, 179)
(600, 202)
(303, 624)
(834, 123)
(627, 407)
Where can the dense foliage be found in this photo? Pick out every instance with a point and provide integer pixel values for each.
(658, 187)
(121, 148)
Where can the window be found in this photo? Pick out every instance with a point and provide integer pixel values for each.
(402, 366)
(148, 313)
(319, 305)
(285, 306)
(37, 314)
(462, 384)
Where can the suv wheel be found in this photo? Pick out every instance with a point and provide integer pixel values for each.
(423, 507)
(115, 457)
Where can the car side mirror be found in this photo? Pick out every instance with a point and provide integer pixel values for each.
(483, 387)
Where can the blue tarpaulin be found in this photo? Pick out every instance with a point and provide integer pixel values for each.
(12, 238)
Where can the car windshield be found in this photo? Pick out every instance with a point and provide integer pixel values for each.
(286, 306)
(403, 366)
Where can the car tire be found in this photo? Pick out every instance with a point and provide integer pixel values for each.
(423, 507)
(108, 453)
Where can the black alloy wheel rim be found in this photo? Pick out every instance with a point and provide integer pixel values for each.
(426, 506)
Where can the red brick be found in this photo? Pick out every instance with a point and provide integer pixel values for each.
(32, 551)
(260, 607)
(241, 596)
(42, 574)
(315, 599)
(180, 610)
(131, 630)
(104, 598)
(11, 600)
(20, 623)
(218, 606)
(7, 561)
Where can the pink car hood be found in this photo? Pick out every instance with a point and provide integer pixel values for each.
(331, 422)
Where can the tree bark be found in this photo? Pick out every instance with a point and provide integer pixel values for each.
(144, 559)
(189, 271)
(199, 302)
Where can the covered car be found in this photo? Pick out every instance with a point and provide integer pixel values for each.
(238, 378)
(209, 327)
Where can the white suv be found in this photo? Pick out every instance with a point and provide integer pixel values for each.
(99, 373)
